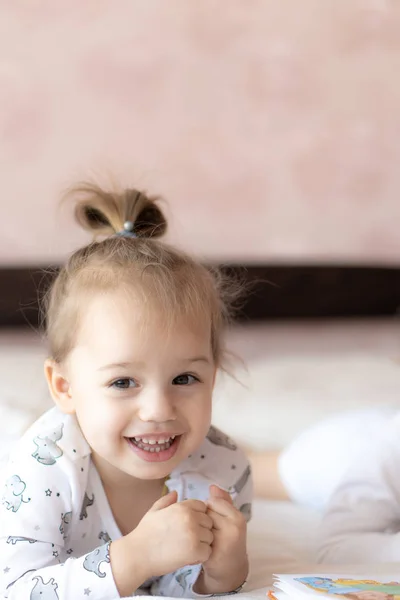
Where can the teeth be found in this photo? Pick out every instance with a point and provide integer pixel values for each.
(154, 445)
(154, 442)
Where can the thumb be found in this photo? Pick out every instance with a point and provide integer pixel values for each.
(165, 501)
(217, 492)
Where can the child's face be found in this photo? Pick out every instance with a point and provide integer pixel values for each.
(130, 378)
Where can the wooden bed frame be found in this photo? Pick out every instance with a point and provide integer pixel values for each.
(274, 292)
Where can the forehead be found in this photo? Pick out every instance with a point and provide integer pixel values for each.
(124, 319)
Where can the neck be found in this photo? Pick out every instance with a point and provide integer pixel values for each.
(114, 480)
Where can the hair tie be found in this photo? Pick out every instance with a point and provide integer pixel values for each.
(127, 231)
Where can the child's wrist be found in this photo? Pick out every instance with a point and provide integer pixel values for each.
(128, 567)
(210, 582)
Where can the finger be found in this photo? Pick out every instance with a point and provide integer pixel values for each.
(221, 522)
(205, 553)
(218, 521)
(222, 507)
(196, 505)
(206, 535)
(205, 521)
(165, 501)
(217, 492)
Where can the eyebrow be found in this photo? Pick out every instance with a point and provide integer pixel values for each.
(198, 359)
(126, 365)
(118, 365)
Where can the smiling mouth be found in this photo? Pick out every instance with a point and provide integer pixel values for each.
(153, 445)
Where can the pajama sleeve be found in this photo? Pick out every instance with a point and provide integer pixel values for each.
(180, 584)
(34, 572)
(36, 514)
(361, 524)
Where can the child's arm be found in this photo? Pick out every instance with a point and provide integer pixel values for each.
(267, 480)
(36, 512)
(30, 569)
(362, 521)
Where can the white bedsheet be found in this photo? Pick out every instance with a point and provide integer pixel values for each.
(281, 536)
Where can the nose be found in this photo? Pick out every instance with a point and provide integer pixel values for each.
(157, 405)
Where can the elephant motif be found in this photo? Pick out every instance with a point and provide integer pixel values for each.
(215, 436)
(20, 577)
(182, 577)
(103, 535)
(13, 493)
(66, 520)
(47, 450)
(241, 482)
(44, 591)
(86, 502)
(14, 539)
(245, 509)
(94, 559)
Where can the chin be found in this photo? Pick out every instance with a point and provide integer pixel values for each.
(149, 472)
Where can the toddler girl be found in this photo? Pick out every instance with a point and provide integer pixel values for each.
(124, 485)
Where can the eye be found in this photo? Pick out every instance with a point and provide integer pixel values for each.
(185, 379)
(123, 384)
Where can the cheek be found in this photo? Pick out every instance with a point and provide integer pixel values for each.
(199, 410)
(102, 417)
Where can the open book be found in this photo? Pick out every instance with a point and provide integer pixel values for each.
(352, 587)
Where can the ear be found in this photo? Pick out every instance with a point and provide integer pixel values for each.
(59, 387)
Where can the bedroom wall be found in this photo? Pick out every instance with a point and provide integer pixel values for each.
(271, 127)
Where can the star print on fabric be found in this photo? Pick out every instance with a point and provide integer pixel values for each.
(202, 456)
(87, 591)
(233, 467)
(48, 492)
(37, 528)
(83, 535)
(58, 494)
(55, 553)
(70, 551)
(73, 450)
(6, 570)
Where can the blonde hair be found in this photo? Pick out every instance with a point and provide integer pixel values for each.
(159, 272)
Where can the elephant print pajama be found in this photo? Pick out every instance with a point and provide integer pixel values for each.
(56, 525)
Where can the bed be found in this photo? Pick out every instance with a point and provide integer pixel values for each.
(286, 376)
